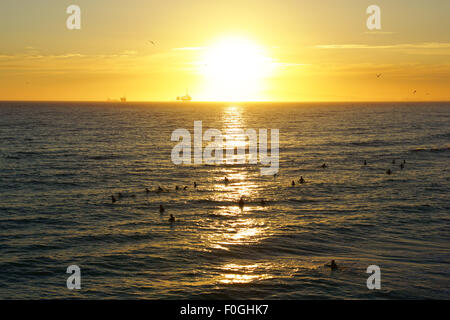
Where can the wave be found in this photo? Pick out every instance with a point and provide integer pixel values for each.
(431, 149)
(441, 135)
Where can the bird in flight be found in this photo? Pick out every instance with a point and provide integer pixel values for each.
(152, 42)
(414, 92)
(378, 75)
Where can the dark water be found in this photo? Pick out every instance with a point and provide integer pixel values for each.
(60, 163)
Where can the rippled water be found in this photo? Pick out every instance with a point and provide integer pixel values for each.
(61, 162)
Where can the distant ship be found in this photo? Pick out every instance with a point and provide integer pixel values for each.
(186, 97)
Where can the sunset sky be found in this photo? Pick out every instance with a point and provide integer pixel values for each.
(290, 50)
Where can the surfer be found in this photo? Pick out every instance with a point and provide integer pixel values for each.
(195, 184)
(226, 180)
(161, 209)
(241, 203)
(293, 183)
(113, 199)
(172, 218)
(389, 171)
(332, 265)
(324, 166)
(301, 180)
(365, 162)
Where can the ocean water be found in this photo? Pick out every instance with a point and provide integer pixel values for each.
(61, 162)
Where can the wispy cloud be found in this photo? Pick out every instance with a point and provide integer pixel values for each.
(379, 32)
(290, 64)
(424, 45)
(188, 49)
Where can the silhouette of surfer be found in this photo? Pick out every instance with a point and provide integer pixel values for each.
(332, 265)
(241, 203)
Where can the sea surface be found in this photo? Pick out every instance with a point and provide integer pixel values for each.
(61, 162)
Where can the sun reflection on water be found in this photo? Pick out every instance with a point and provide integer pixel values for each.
(234, 273)
(237, 225)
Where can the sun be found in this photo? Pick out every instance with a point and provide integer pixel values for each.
(235, 69)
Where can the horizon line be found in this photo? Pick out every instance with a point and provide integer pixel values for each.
(224, 101)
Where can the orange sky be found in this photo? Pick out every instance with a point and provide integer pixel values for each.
(225, 50)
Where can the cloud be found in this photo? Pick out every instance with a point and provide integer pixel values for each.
(379, 32)
(188, 49)
(425, 45)
(291, 64)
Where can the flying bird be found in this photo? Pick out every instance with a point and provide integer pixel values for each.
(152, 42)
(378, 75)
(414, 92)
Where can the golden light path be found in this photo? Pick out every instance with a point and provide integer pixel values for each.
(240, 228)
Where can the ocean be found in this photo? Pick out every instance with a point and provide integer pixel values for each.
(60, 162)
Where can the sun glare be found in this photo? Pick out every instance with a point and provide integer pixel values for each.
(235, 69)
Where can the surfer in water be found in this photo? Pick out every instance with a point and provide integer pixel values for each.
(389, 172)
(226, 180)
(301, 180)
(241, 203)
(402, 166)
(147, 191)
(332, 265)
(365, 162)
(293, 183)
(324, 166)
(172, 218)
(195, 184)
(113, 199)
(161, 209)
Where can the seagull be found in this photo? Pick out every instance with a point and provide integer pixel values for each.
(152, 42)
(378, 75)
(414, 92)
